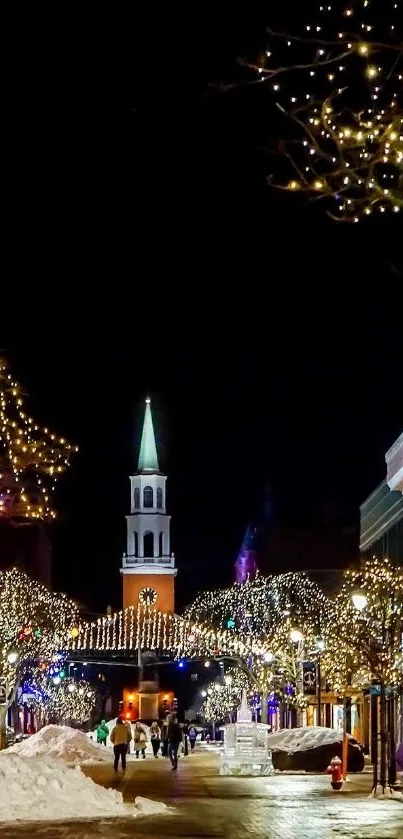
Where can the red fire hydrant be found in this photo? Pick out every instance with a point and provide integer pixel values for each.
(334, 769)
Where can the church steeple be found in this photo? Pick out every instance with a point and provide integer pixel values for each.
(148, 566)
(148, 458)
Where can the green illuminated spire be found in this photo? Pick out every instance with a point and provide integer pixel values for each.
(148, 459)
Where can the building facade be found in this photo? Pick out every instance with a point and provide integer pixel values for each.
(381, 515)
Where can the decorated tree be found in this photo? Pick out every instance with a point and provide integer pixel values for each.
(222, 700)
(35, 625)
(366, 649)
(55, 699)
(32, 458)
(279, 620)
(338, 78)
(367, 645)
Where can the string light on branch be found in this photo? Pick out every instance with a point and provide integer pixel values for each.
(35, 625)
(341, 90)
(32, 458)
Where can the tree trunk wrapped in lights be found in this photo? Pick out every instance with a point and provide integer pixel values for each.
(367, 649)
(35, 626)
(339, 81)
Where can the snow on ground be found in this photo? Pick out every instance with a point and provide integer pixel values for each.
(301, 739)
(36, 789)
(62, 742)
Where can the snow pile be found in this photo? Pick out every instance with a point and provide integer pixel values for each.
(63, 743)
(293, 740)
(36, 789)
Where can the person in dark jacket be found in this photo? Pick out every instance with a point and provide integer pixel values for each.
(174, 741)
(164, 736)
(192, 734)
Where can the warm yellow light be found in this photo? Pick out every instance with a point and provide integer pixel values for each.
(293, 185)
(318, 184)
(372, 71)
(363, 49)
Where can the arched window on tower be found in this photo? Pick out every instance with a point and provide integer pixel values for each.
(161, 544)
(136, 543)
(159, 498)
(148, 497)
(148, 544)
(136, 498)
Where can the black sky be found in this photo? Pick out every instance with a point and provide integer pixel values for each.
(148, 255)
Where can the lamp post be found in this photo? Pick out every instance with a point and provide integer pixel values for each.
(320, 646)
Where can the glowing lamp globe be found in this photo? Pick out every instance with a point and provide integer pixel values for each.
(228, 680)
(71, 688)
(268, 657)
(296, 636)
(75, 632)
(360, 600)
(12, 657)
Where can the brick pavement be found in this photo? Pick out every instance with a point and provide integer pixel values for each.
(207, 805)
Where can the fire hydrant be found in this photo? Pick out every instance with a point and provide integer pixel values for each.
(334, 769)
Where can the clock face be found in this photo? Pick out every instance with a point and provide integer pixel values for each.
(148, 596)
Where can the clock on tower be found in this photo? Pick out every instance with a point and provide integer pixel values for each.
(148, 567)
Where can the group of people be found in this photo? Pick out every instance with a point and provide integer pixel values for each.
(168, 738)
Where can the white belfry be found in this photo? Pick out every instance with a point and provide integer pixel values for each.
(148, 542)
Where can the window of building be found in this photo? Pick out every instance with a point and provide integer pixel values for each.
(136, 543)
(148, 497)
(161, 544)
(159, 498)
(148, 544)
(136, 498)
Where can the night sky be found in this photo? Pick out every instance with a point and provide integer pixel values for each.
(148, 256)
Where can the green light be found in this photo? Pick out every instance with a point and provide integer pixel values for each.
(148, 459)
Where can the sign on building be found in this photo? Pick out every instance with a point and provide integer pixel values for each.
(3, 690)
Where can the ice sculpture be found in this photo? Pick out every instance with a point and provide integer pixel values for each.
(245, 745)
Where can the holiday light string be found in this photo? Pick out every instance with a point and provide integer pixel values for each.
(368, 644)
(35, 625)
(68, 701)
(31, 457)
(347, 148)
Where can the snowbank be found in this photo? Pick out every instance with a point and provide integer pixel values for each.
(293, 740)
(36, 789)
(63, 743)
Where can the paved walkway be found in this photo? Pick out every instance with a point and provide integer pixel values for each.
(207, 805)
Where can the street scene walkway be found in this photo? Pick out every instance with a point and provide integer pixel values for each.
(204, 804)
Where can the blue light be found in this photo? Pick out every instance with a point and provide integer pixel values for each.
(230, 623)
(181, 664)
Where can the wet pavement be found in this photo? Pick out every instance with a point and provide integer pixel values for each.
(207, 805)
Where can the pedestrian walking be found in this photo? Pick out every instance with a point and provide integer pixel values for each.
(120, 737)
(185, 748)
(102, 733)
(164, 736)
(140, 740)
(155, 733)
(174, 740)
(192, 734)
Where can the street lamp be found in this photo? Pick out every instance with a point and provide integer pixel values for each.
(228, 680)
(296, 636)
(12, 657)
(360, 600)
